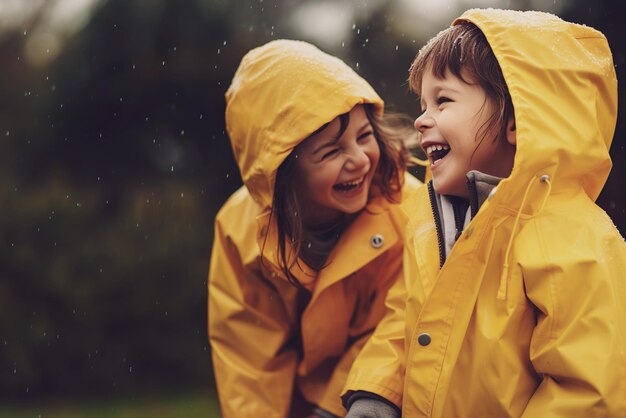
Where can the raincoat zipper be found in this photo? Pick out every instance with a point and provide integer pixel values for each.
(433, 206)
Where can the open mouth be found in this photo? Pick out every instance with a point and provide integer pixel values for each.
(437, 152)
(349, 185)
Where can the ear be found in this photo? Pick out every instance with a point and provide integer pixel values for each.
(511, 132)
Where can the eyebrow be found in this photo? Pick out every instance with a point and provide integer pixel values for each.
(336, 139)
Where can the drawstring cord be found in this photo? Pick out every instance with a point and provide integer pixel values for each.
(504, 276)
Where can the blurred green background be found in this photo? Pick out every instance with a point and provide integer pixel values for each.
(114, 162)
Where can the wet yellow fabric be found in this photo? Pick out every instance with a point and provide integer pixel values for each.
(281, 93)
(547, 336)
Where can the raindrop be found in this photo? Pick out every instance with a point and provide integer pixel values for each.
(163, 63)
(172, 169)
(396, 47)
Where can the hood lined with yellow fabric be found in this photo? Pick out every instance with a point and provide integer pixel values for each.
(564, 89)
(281, 93)
(563, 85)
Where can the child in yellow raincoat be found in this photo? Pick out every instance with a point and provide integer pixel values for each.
(513, 302)
(305, 252)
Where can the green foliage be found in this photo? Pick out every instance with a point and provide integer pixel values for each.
(194, 406)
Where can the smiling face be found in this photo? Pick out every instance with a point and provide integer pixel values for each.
(453, 136)
(334, 170)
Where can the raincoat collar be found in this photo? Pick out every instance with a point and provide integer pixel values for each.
(451, 217)
(359, 237)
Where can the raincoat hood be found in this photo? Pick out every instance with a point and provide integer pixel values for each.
(281, 93)
(564, 89)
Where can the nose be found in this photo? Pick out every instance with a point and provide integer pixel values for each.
(422, 122)
(357, 159)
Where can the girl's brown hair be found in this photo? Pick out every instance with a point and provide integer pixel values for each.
(392, 134)
(464, 50)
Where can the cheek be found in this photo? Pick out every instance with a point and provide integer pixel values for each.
(374, 154)
(321, 178)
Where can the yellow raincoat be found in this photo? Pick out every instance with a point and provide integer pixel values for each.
(266, 351)
(527, 317)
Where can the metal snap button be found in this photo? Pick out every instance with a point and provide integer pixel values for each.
(424, 339)
(377, 240)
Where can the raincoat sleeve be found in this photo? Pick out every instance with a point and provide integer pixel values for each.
(379, 367)
(331, 400)
(249, 333)
(578, 345)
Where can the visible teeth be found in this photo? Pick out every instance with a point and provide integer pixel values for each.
(437, 147)
(349, 185)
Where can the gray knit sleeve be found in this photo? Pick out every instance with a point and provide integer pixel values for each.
(371, 408)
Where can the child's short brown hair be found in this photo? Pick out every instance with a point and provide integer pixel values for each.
(464, 51)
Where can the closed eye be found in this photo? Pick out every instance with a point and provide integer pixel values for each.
(330, 153)
(365, 135)
(443, 99)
